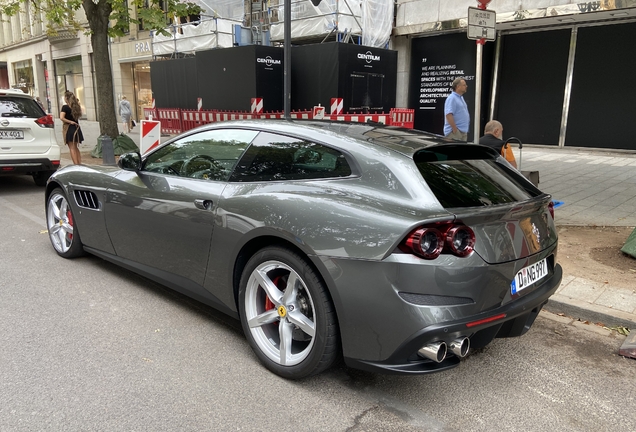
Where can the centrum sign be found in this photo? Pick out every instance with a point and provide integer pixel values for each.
(368, 57)
(268, 61)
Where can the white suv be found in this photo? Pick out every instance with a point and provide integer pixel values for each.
(27, 138)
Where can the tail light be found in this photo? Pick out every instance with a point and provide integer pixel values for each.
(551, 209)
(45, 121)
(429, 242)
(426, 242)
(460, 239)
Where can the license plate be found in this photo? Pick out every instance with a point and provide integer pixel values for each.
(529, 275)
(11, 134)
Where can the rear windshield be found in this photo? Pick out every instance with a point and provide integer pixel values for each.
(15, 106)
(470, 177)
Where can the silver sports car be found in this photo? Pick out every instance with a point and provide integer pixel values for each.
(394, 249)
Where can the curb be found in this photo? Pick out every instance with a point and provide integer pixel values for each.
(590, 312)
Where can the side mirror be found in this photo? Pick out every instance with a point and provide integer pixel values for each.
(130, 161)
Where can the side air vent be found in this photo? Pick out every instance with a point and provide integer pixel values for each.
(86, 199)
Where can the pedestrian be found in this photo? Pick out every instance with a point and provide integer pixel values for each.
(126, 113)
(493, 133)
(456, 116)
(71, 131)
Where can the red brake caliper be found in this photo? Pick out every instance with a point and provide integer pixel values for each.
(69, 216)
(268, 303)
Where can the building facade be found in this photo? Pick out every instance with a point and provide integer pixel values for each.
(47, 64)
(555, 74)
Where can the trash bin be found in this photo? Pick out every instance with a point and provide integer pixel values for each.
(108, 152)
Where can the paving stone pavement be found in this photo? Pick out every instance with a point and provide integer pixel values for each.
(597, 188)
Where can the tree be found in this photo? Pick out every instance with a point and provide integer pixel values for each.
(106, 18)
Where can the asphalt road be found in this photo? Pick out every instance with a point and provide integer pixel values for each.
(87, 346)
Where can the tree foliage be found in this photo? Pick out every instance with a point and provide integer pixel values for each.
(104, 19)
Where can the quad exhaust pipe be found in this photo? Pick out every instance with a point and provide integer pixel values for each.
(460, 346)
(437, 351)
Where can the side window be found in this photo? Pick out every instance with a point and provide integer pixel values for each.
(208, 155)
(274, 157)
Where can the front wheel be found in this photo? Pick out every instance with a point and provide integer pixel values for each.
(287, 315)
(61, 226)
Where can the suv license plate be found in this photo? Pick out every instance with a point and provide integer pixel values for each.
(529, 275)
(11, 134)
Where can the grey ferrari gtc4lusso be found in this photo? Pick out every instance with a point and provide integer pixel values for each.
(395, 249)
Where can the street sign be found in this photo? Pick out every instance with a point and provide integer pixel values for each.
(481, 24)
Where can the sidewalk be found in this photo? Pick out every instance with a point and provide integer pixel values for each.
(597, 188)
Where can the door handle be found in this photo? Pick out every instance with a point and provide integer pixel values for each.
(203, 204)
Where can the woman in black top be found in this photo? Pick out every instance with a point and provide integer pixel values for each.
(71, 131)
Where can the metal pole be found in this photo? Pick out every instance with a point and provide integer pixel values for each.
(287, 61)
(477, 126)
(568, 87)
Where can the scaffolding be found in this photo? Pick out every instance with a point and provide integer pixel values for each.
(340, 19)
(195, 36)
(368, 23)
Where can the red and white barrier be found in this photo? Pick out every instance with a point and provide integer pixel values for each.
(199, 104)
(318, 113)
(337, 105)
(257, 106)
(149, 135)
(361, 118)
(170, 119)
(402, 117)
(174, 121)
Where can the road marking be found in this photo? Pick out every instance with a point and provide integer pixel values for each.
(38, 220)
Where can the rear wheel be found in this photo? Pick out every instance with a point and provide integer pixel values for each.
(287, 315)
(61, 225)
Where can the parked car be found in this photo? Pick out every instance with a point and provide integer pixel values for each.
(27, 138)
(396, 249)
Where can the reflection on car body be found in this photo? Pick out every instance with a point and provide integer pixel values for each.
(392, 248)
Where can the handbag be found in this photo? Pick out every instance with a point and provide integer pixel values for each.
(133, 123)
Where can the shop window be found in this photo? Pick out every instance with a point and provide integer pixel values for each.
(23, 74)
(68, 75)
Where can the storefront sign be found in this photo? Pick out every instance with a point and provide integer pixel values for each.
(142, 47)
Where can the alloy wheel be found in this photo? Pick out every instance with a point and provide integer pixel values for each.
(280, 313)
(59, 221)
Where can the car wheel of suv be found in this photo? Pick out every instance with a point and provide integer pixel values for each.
(61, 225)
(41, 177)
(287, 315)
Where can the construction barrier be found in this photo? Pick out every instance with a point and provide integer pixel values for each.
(194, 118)
(150, 112)
(170, 119)
(402, 117)
(360, 118)
(174, 120)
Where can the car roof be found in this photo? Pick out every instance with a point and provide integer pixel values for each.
(13, 92)
(405, 141)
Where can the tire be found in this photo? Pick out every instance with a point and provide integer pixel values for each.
(40, 177)
(302, 315)
(60, 222)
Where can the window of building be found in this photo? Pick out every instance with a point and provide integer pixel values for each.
(23, 74)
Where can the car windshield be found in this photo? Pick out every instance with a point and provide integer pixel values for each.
(15, 106)
(464, 177)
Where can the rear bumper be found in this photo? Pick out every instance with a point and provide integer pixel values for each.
(27, 166)
(518, 317)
